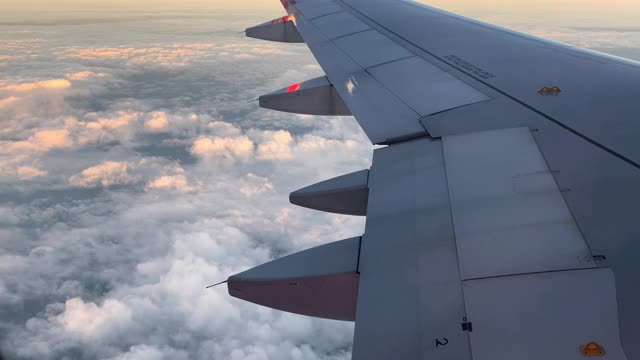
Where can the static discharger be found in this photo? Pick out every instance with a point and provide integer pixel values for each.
(592, 349)
(220, 283)
(549, 90)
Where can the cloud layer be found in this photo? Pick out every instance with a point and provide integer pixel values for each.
(134, 172)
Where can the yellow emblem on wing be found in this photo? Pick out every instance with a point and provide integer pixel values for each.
(549, 90)
(592, 349)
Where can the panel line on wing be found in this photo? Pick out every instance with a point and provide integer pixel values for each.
(390, 61)
(380, 113)
(339, 24)
(526, 273)
(353, 33)
(398, 97)
(331, 13)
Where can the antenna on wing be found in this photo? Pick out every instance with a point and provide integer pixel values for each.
(210, 286)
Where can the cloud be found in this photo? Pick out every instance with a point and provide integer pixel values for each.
(277, 147)
(255, 185)
(177, 183)
(29, 172)
(7, 101)
(224, 129)
(27, 108)
(157, 123)
(55, 84)
(41, 140)
(163, 297)
(241, 56)
(93, 53)
(150, 177)
(105, 174)
(240, 147)
(89, 319)
(112, 122)
(84, 75)
(146, 352)
(172, 55)
(51, 139)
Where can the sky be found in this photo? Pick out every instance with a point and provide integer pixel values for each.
(135, 171)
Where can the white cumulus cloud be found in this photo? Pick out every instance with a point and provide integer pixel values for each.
(227, 147)
(105, 174)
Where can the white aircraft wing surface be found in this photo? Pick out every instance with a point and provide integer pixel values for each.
(503, 214)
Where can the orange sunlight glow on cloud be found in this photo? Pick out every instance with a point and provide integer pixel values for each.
(55, 84)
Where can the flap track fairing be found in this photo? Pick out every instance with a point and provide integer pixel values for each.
(321, 282)
(347, 194)
(313, 97)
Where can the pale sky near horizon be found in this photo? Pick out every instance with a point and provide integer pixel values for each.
(488, 5)
(134, 171)
(594, 10)
(619, 14)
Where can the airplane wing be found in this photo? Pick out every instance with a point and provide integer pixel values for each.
(502, 216)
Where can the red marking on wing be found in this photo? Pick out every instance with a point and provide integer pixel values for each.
(294, 87)
(282, 19)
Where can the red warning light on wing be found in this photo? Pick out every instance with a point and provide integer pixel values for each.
(293, 88)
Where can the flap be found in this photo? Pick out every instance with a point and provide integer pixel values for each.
(551, 316)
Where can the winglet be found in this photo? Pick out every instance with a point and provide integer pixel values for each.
(282, 29)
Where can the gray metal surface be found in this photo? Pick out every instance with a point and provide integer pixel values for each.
(347, 194)
(586, 133)
(369, 98)
(382, 115)
(313, 97)
(599, 92)
(543, 316)
(509, 215)
(586, 136)
(369, 48)
(410, 294)
(315, 8)
(498, 113)
(426, 88)
(332, 258)
(338, 24)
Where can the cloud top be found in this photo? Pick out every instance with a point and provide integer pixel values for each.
(105, 174)
(134, 173)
